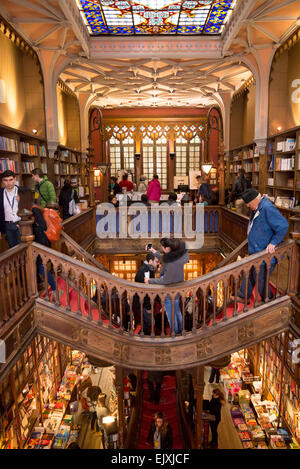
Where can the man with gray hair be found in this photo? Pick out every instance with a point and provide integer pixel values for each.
(266, 229)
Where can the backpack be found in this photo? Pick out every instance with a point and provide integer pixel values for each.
(73, 208)
(54, 224)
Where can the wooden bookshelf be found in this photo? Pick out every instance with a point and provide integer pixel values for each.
(21, 152)
(70, 164)
(246, 157)
(283, 169)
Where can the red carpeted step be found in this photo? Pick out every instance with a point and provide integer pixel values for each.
(167, 405)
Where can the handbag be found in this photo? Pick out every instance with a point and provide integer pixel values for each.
(73, 208)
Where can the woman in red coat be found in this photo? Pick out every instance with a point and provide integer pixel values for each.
(154, 190)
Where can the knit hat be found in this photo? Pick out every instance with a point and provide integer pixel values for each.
(249, 195)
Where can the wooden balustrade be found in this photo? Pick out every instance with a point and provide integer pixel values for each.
(118, 304)
(15, 290)
(81, 228)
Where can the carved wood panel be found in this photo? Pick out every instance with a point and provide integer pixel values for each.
(170, 353)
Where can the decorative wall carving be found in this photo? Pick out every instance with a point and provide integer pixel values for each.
(204, 349)
(163, 356)
(245, 332)
(154, 130)
(121, 351)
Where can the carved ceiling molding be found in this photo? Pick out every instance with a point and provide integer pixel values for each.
(16, 39)
(288, 44)
(243, 89)
(65, 88)
(146, 47)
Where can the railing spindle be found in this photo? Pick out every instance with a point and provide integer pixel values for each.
(13, 274)
(89, 286)
(99, 302)
(11, 311)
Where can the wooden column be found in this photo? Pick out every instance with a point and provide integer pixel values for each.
(199, 388)
(120, 395)
(263, 157)
(27, 236)
(221, 174)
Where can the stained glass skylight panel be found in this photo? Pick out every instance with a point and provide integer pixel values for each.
(152, 17)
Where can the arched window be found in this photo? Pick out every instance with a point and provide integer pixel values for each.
(121, 155)
(155, 158)
(188, 155)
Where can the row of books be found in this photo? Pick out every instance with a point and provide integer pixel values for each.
(8, 144)
(286, 145)
(249, 167)
(245, 154)
(283, 164)
(32, 149)
(8, 164)
(27, 166)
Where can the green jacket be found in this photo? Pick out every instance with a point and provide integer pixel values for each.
(46, 192)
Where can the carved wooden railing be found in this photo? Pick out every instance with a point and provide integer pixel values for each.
(123, 300)
(108, 327)
(67, 245)
(82, 227)
(15, 290)
(232, 257)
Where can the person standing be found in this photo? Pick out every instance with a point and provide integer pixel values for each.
(239, 187)
(142, 187)
(126, 184)
(114, 186)
(154, 190)
(174, 258)
(67, 193)
(214, 408)
(148, 268)
(9, 209)
(25, 201)
(266, 229)
(157, 378)
(44, 189)
(215, 373)
(205, 192)
(160, 433)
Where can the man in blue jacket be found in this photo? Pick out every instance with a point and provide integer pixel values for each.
(266, 229)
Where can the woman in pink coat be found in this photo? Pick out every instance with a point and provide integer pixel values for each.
(154, 190)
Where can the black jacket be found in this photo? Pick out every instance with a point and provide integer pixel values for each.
(65, 198)
(39, 227)
(239, 186)
(166, 437)
(139, 277)
(2, 214)
(214, 408)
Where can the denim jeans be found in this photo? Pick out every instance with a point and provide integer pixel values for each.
(40, 271)
(12, 234)
(177, 314)
(262, 278)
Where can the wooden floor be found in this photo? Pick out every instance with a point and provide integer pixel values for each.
(227, 435)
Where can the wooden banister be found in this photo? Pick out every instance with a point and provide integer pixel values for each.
(232, 256)
(75, 249)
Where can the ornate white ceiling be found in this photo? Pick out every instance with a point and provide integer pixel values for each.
(168, 71)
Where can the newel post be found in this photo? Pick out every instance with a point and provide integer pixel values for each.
(27, 236)
(199, 389)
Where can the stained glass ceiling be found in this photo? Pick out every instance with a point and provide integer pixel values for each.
(152, 17)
